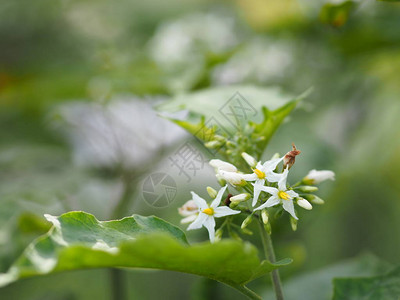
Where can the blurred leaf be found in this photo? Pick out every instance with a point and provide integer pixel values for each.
(31, 223)
(337, 14)
(385, 287)
(78, 240)
(317, 285)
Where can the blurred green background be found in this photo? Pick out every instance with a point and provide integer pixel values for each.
(62, 60)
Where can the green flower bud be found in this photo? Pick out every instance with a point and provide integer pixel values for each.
(218, 234)
(314, 199)
(268, 228)
(293, 223)
(213, 193)
(213, 144)
(307, 189)
(264, 216)
(246, 231)
(246, 222)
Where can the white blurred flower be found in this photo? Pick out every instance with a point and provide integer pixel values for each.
(315, 177)
(207, 213)
(260, 60)
(188, 39)
(189, 211)
(279, 195)
(125, 132)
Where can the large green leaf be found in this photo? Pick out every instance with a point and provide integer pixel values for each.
(384, 287)
(78, 240)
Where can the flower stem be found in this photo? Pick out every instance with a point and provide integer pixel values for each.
(246, 291)
(270, 255)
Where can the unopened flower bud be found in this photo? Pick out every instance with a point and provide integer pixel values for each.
(219, 138)
(246, 222)
(268, 228)
(275, 156)
(290, 157)
(240, 197)
(233, 177)
(230, 144)
(304, 204)
(316, 177)
(246, 231)
(218, 234)
(293, 223)
(314, 199)
(222, 165)
(250, 160)
(213, 193)
(264, 216)
(221, 181)
(307, 189)
(213, 144)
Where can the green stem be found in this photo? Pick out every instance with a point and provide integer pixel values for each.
(270, 255)
(246, 291)
(118, 283)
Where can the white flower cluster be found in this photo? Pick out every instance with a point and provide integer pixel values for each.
(264, 178)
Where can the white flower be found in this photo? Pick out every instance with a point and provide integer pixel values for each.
(207, 213)
(315, 177)
(262, 172)
(189, 210)
(279, 195)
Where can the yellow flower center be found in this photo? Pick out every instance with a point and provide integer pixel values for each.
(283, 195)
(209, 211)
(259, 173)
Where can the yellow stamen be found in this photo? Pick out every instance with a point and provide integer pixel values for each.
(283, 195)
(259, 173)
(209, 211)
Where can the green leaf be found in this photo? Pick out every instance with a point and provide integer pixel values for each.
(216, 102)
(317, 285)
(225, 110)
(384, 287)
(337, 14)
(78, 240)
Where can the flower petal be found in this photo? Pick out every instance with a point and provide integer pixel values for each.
(283, 179)
(189, 219)
(269, 189)
(223, 211)
(250, 177)
(217, 199)
(289, 207)
(270, 165)
(257, 190)
(273, 200)
(200, 202)
(292, 194)
(198, 222)
(210, 225)
(273, 177)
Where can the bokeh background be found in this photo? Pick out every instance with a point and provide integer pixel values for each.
(77, 83)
